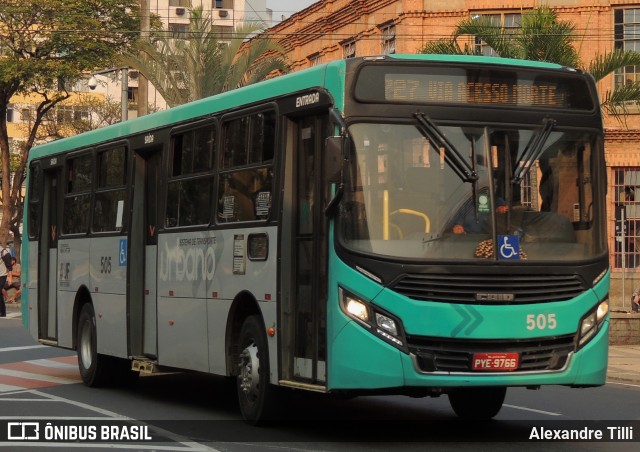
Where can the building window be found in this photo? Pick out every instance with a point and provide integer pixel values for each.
(507, 22)
(627, 37)
(626, 191)
(315, 59)
(181, 3)
(223, 32)
(349, 49)
(178, 31)
(222, 4)
(388, 39)
(10, 113)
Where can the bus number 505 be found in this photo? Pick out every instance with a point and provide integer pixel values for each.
(541, 321)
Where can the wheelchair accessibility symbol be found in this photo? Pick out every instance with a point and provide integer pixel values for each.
(508, 247)
(122, 255)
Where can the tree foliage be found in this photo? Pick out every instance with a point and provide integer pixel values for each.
(544, 37)
(203, 63)
(45, 46)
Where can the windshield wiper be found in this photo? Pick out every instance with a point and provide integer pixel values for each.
(533, 151)
(451, 155)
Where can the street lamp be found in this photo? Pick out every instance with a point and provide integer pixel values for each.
(124, 78)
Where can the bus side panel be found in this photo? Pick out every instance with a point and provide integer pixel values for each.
(111, 324)
(108, 283)
(186, 260)
(108, 269)
(218, 313)
(72, 273)
(241, 270)
(32, 290)
(182, 333)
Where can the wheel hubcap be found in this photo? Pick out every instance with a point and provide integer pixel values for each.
(85, 346)
(249, 372)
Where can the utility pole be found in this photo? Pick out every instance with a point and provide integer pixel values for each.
(143, 84)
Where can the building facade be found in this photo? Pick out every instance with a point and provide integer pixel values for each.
(334, 29)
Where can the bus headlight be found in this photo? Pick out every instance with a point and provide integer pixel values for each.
(387, 324)
(592, 322)
(356, 308)
(380, 323)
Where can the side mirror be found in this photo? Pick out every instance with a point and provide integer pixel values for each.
(333, 159)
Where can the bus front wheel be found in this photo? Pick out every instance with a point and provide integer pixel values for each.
(93, 367)
(255, 392)
(477, 403)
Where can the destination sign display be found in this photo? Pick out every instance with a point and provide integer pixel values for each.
(508, 87)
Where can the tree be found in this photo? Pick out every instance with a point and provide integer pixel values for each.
(45, 46)
(544, 37)
(204, 63)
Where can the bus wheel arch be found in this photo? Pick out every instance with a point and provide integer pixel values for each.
(83, 296)
(243, 306)
(249, 360)
(93, 367)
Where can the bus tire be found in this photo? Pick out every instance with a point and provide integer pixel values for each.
(255, 392)
(94, 368)
(477, 403)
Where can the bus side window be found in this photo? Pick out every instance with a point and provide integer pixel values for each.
(110, 190)
(77, 200)
(191, 179)
(244, 194)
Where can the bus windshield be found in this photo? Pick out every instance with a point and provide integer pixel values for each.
(533, 193)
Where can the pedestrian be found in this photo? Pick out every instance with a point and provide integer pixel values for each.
(3, 280)
(635, 300)
(13, 282)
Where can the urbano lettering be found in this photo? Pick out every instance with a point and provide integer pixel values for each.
(180, 263)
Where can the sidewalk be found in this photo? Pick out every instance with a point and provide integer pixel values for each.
(624, 363)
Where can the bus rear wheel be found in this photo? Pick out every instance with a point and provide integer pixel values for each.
(93, 366)
(477, 403)
(255, 392)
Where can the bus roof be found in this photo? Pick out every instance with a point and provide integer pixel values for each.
(289, 83)
(322, 75)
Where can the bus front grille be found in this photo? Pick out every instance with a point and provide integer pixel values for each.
(450, 355)
(489, 289)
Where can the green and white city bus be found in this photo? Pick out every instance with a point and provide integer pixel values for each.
(407, 224)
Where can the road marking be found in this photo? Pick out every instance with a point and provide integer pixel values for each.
(532, 410)
(39, 373)
(11, 315)
(622, 383)
(15, 349)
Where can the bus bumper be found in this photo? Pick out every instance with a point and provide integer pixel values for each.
(384, 366)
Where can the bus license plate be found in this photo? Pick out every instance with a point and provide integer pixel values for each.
(495, 361)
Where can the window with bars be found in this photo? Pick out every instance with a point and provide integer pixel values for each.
(178, 31)
(626, 193)
(388, 39)
(349, 49)
(508, 22)
(627, 37)
(315, 59)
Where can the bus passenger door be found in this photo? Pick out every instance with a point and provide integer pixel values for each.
(143, 251)
(305, 305)
(48, 257)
